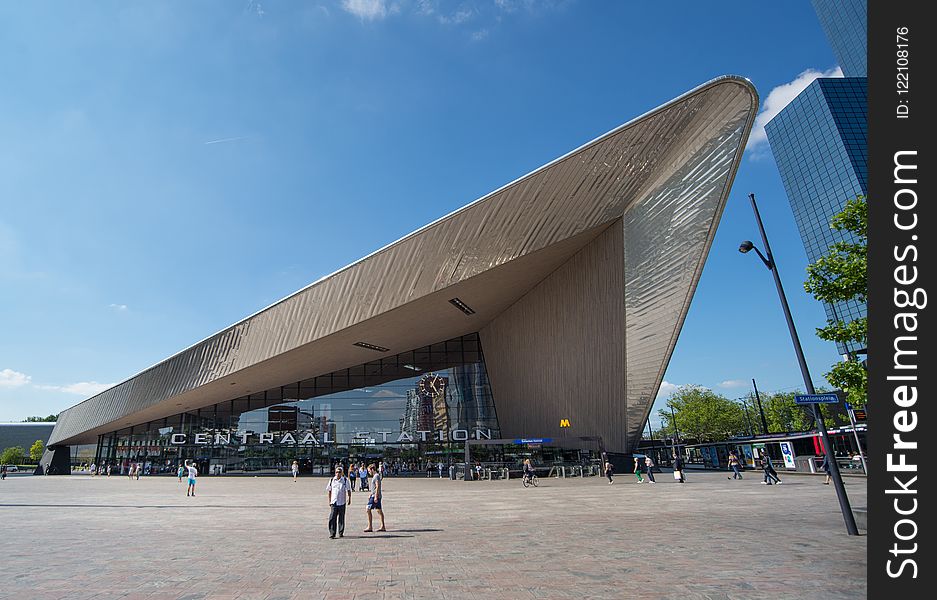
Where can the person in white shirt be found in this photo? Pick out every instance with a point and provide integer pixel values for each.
(295, 468)
(339, 495)
(193, 473)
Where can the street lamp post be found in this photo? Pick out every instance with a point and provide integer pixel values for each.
(745, 247)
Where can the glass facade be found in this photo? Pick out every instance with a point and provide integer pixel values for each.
(406, 410)
(820, 142)
(844, 23)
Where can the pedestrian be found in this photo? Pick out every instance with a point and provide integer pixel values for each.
(478, 471)
(678, 472)
(193, 474)
(108, 469)
(352, 475)
(649, 463)
(377, 494)
(637, 470)
(339, 496)
(93, 469)
(826, 469)
(734, 465)
(608, 472)
(139, 469)
(295, 469)
(362, 478)
(3, 471)
(180, 472)
(771, 476)
(439, 468)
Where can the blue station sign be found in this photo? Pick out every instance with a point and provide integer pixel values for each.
(816, 399)
(533, 440)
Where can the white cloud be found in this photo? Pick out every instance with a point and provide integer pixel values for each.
(11, 379)
(479, 35)
(118, 307)
(366, 9)
(780, 97)
(733, 383)
(82, 388)
(667, 389)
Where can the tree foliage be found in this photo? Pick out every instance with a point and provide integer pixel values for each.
(48, 419)
(36, 450)
(839, 276)
(702, 415)
(15, 455)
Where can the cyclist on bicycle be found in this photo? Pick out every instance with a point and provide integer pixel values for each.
(528, 470)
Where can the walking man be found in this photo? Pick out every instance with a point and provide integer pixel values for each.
(637, 470)
(374, 502)
(295, 469)
(180, 473)
(193, 474)
(771, 476)
(734, 465)
(339, 495)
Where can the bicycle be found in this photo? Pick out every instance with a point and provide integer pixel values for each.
(531, 480)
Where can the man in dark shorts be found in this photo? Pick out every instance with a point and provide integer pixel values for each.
(377, 493)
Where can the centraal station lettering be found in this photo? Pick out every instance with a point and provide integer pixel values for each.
(305, 438)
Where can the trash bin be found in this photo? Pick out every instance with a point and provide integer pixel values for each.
(452, 472)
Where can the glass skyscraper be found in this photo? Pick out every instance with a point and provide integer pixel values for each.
(820, 142)
(844, 23)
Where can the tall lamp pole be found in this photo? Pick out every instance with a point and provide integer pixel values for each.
(745, 247)
(764, 422)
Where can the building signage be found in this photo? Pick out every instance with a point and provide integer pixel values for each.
(305, 438)
(816, 398)
(787, 451)
(533, 440)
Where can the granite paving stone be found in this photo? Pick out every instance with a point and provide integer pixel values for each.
(266, 538)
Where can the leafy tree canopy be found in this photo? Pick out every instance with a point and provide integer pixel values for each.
(48, 419)
(36, 450)
(14, 455)
(839, 276)
(703, 415)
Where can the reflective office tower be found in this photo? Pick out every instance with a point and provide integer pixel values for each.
(558, 297)
(844, 23)
(820, 142)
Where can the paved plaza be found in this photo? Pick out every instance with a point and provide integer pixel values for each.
(266, 538)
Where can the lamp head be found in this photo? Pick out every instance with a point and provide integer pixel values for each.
(746, 246)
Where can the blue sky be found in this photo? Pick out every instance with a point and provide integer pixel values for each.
(167, 168)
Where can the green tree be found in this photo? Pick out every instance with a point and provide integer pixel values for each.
(702, 415)
(783, 414)
(14, 455)
(36, 450)
(48, 419)
(842, 275)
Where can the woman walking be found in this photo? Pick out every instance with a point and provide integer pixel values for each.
(637, 470)
(649, 463)
(295, 469)
(352, 475)
(678, 468)
(826, 469)
(608, 472)
(734, 465)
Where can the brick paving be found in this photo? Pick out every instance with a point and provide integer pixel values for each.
(266, 538)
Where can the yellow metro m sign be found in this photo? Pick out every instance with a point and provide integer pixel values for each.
(564, 422)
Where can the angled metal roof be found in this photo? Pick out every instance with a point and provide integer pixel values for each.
(664, 177)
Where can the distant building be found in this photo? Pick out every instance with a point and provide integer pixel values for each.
(24, 434)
